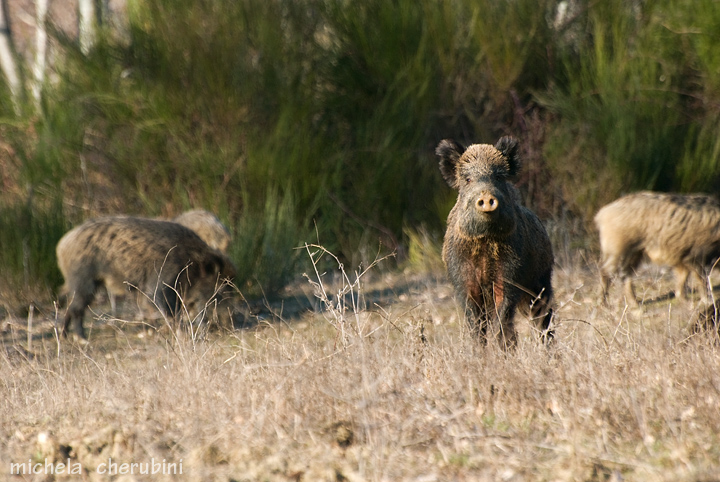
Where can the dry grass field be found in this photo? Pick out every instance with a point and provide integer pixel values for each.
(382, 384)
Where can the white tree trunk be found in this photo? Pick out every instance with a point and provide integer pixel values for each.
(87, 24)
(41, 7)
(8, 61)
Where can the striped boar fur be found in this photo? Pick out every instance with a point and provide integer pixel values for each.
(679, 231)
(165, 260)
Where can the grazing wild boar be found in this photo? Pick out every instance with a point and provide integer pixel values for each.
(208, 227)
(497, 252)
(680, 231)
(165, 260)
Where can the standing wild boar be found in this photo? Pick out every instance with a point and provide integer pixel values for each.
(207, 226)
(497, 252)
(165, 260)
(680, 231)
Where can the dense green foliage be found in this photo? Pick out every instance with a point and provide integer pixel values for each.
(316, 120)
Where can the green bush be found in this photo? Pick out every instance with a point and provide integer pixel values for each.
(28, 235)
(321, 116)
(634, 98)
(266, 245)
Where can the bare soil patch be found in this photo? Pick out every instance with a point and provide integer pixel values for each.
(388, 385)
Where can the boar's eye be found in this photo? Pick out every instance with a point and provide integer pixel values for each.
(468, 179)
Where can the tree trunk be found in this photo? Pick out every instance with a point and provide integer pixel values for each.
(41, 7)
(8, 59)
(87, 24)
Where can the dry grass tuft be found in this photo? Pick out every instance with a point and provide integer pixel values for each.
(383, 383)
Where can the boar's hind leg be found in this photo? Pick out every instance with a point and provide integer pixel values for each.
(541, 310)
(703, 275)
(547, 334)
(81, 298)
(629, 291)
(541, 315)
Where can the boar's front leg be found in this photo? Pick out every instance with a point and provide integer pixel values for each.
(476, 315)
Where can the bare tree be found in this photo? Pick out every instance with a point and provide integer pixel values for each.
(8, 58)
(87, 24)
(41, 7)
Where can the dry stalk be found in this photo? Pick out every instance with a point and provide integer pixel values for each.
(345, 304)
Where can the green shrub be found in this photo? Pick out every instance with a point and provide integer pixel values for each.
(29, 233)
(265, 244)
(637, 100)
(289, 117)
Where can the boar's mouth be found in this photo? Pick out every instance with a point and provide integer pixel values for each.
(484, 225)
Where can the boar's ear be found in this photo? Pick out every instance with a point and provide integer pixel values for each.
(508, 146)
(211, 266)
(449, 153)
(223, 266)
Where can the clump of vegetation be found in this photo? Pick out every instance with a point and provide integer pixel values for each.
(298, 119)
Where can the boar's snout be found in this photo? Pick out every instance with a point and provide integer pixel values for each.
(485, 212)
(486, 202)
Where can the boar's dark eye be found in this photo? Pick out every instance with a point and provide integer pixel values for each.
(468, 179)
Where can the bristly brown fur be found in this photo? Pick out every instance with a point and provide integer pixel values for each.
(680, 231)
(208, 227)
(498, 258)
(162, 258)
